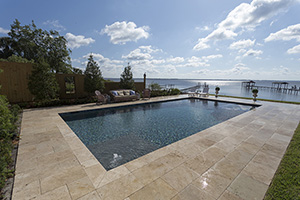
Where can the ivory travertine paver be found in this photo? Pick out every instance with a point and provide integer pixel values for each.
(229, 196)
(90, 196)
(259, 172)
(80, 187)
(212, 183)
(158, 189)
(191, 192)
(120, 188)
(180, 177)
(232, 160)
(248, 188)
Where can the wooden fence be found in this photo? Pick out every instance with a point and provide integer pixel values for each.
(14, 81)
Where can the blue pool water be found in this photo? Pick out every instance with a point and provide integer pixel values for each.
(118, 135)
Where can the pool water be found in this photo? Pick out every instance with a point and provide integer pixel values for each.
(118, 135)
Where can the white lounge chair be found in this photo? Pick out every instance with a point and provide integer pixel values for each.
(193, 93)
(204, 93)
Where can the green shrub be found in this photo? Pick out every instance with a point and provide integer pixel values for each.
(154, 87)
(7, 131)
(172, 91)
(255, 91)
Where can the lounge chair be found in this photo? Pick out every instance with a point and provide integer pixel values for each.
(204, 93)
(100, 98)
(146, 93)
(193, 93)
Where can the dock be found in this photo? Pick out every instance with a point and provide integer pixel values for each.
(276, 86)
(194, 88)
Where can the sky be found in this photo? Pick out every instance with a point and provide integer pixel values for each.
(194, 39)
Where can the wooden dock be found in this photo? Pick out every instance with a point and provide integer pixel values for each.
(194, 88)
(276, 86)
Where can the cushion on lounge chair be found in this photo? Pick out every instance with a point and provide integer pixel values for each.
(115, 93)
(132, 92)
(120, 93)
(126, 92)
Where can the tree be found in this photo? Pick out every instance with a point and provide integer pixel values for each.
(31, 42)
(126, 80)
(6, 49)
(93, 79)
(42, 82)
(17, 59)
(154, 87)
(77, 71)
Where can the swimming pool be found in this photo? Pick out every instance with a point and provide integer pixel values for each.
(121, 134)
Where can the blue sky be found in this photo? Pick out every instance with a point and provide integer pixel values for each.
(237, 39)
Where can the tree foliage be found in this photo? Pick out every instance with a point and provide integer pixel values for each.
(126, 79)
(42, 82)
(1, 72)
(33, 43)
(6, 49)
(18, 59)
(93, 79)
(154, 87)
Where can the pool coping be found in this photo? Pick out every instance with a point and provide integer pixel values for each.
(155, 171)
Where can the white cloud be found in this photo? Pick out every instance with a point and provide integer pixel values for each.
(239, 68)
(141, 53)
(252, 52)
(210, 57)
(149, 49)
(137, 54)
(55, 24)
(202, 44)
(122, 32)
(76, 41)
(97, 57)
(294, 50)
(281, 70)
(108, 67)
(238, 71)
(157, 62)
(194, 59)
(242, 44)
(289, 33)
(245, 17)
(2, 30)
(176, 60)
(205, 28)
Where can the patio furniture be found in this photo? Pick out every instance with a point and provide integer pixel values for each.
(124, 95)
(100, 97)
(193, 93)
(146, 93)
(204, 93)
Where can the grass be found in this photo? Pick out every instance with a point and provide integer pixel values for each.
(269, 100)
(286, 182)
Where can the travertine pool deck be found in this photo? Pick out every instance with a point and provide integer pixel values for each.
(235, 159)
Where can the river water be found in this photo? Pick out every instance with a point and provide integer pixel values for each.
(230, 87)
